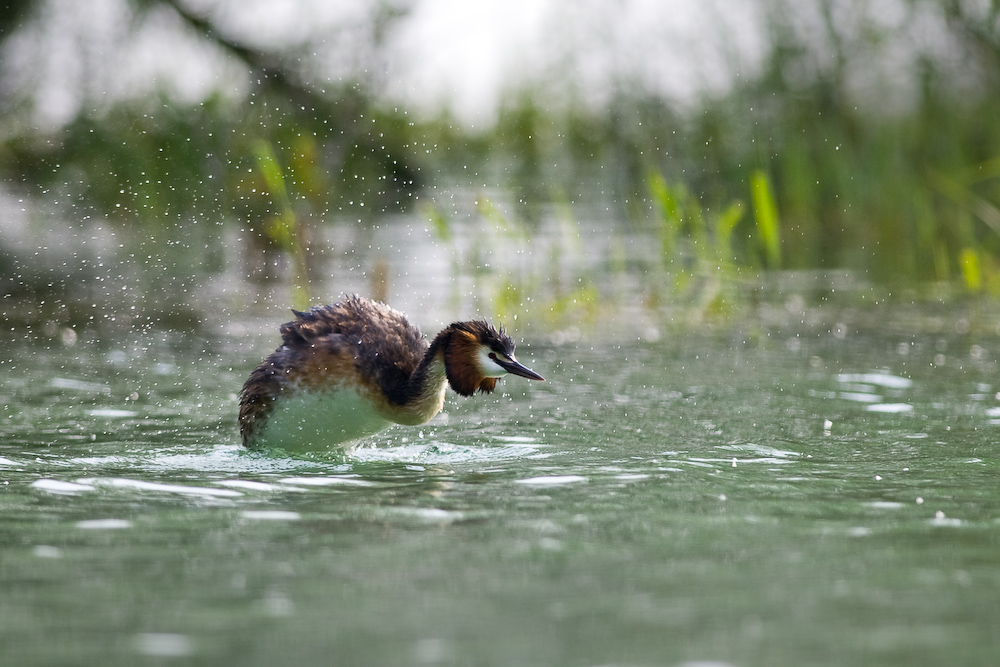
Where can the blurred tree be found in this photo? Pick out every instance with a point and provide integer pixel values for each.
(12, 13)
(155, 159)
(169, 173)
(877, 130)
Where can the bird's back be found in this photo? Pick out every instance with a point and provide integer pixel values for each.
(385, 346)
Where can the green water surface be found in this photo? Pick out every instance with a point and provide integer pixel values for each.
(821, 499)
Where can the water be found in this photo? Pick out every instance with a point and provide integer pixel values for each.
(827, 498)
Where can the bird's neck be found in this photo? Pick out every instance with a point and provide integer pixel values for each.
(424, 396)
(446, 361)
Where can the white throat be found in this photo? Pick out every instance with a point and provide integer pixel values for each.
(490, 368)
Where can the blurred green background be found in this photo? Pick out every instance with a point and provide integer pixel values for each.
(684, 153)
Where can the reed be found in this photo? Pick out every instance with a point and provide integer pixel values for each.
(284, 227)
(908, 196)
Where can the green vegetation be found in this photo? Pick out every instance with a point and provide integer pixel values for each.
(906, 194)
(708, 268)
(284, 227)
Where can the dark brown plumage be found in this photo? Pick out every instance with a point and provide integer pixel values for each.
(359, 348)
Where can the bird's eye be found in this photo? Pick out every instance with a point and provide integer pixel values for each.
(493, 356)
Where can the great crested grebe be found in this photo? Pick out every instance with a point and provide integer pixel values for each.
(351, 369)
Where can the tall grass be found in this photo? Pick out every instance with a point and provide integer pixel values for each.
(908, 196)
(766, 215)
(284, 227)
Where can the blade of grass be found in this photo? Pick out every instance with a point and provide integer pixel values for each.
(971, 272)
(766, 215)
(668, 210)
(285, 229)
(724, 230)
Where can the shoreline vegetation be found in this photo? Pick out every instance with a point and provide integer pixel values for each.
(689, 213)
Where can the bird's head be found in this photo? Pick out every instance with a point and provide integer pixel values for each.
(476, 354)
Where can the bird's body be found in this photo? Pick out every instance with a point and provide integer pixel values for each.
(351, 369)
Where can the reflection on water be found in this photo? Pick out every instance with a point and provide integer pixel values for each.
(704, 498)
(441, 453)
(862, 387)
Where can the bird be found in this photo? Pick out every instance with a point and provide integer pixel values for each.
(348, 370)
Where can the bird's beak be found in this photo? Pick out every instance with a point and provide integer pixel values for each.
(514, 368)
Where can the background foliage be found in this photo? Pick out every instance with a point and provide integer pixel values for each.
(816, 161)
